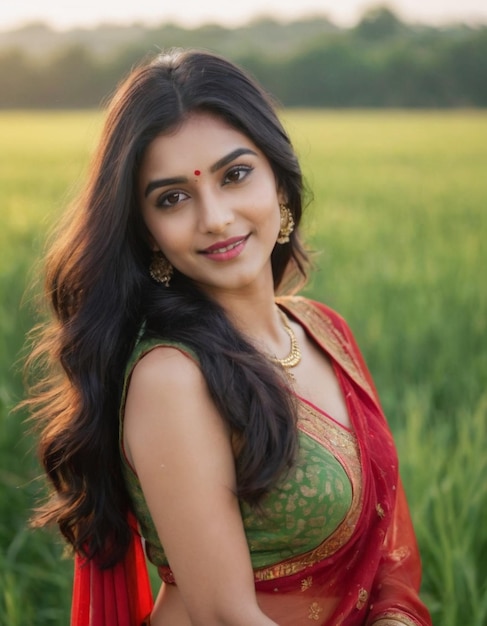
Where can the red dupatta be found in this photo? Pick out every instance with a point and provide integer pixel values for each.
(376, 572)
(118, 596)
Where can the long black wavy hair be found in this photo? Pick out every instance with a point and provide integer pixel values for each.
(101, 295)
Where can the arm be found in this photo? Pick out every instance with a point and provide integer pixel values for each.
(181, 450)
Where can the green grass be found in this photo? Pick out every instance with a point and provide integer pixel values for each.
(42, 158)
(398, 224)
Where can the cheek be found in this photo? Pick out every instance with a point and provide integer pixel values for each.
(267, 215)
(271, 215)
(170, 236)
(264, 204)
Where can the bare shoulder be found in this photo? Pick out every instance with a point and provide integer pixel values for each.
(180, 448)
(165, 369)
(168, 406)
(166, 383)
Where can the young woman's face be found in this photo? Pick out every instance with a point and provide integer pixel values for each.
(210, 201)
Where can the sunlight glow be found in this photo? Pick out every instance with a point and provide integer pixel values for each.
(189, 13)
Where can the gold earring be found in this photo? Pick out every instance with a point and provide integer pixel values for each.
(160, 269)
(287, 223)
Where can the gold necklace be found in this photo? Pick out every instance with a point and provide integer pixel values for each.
(294, 356)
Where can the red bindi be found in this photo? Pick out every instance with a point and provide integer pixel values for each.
(197, 172)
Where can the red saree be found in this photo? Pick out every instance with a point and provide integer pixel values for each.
(367, 569)
(376, 572)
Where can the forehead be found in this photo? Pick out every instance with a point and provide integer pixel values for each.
(197, 143)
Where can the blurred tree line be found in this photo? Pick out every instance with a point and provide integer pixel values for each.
(381, 62)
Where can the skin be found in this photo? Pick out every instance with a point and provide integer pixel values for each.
(236, 199)
(174, 436)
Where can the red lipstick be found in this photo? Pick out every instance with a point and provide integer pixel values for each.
(226, 250)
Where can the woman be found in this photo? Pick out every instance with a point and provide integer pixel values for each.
(238, 432)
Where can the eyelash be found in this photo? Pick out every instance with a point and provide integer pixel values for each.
(245, 170)
(160, 203)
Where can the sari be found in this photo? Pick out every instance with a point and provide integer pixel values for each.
(375, 572)
(368, 568)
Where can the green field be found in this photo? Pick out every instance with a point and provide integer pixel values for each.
(399, 223)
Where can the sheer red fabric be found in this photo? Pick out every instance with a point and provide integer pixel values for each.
(377, 572)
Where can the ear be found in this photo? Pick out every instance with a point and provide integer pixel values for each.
(281, 196)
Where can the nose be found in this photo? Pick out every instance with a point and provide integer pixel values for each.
(215, 214)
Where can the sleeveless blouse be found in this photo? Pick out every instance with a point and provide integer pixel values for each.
(310, 512)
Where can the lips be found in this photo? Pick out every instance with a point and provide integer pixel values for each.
(225, 246)
(227, 250)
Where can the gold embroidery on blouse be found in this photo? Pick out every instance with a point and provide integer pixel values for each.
(306, 583)
(330, 338)
(314, 611)
(342, 443)
(380, 510)
(362, 598)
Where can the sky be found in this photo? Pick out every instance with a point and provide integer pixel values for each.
(62, 14)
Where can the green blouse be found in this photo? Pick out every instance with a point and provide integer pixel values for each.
(312, 502)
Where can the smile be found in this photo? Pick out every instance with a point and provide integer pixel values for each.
(226, 250)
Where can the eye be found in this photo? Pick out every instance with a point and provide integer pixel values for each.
(170, 199)
(237, 174)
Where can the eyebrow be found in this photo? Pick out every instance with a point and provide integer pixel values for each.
(230, 157)
(164, 182)
(177, 180)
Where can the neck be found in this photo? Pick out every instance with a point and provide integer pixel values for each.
(251, 309)
(261, 322)
(254, 313)
(252, 316)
